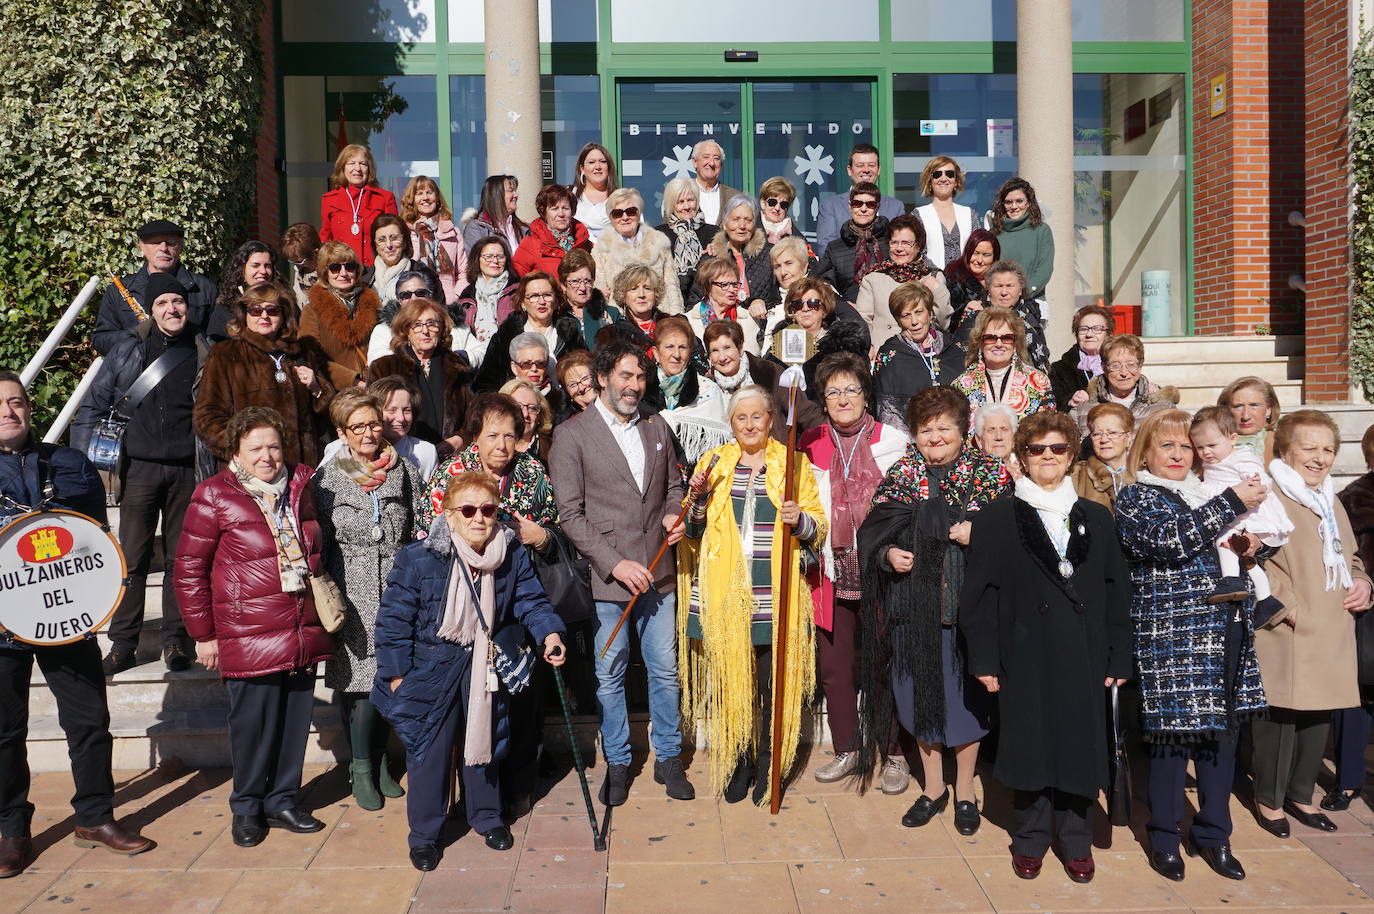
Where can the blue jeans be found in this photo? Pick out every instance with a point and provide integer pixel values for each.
(655, 625)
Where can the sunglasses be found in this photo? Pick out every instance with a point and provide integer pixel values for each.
(805, 304)
(863, 204)
(777, 201)
(408, 294)
(488, 510)
(631, 211)
(999, 338)
(1059, 449)
(944, 173)
(530, 364)
(260, 310)
(349, 265)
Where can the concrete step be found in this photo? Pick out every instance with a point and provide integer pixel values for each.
(1241, 348)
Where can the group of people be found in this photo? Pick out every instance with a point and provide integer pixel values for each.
(385, 447)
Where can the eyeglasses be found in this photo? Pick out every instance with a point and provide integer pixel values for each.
(901, 244)
(726, 285)
(580, 283)
(1091, 331)
(834, 393)
(492, 258)
(529, 409)
(488, 510)
(426, 325)
(777, 201)
(1122, 366)
(579, 387)
(805, 304)
(631, 211)
(260, 310)
(1059, 449)
(945, 173)
(539, 296)
(361, 427)
(349, 265)
(863, 204)
(1106, 435)
(998, 338)
(530, 365)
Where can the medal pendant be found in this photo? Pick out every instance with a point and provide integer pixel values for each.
(355, 228)
(1065, 568)
(376, 533)
(1339, 547)
(279, 376)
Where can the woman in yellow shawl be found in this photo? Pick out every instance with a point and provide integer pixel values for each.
(726, 638)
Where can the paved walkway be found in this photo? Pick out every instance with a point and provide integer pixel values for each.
(829, 851)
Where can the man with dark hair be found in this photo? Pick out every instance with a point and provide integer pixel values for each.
(863, 166)
(149, 380)
(618, 488)
(161, 243)
(32, 473)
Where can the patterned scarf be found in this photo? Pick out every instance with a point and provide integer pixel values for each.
(368, 475)
(868, 252)
(707, 315)
(271, 500)
(432, 253)
(687, 252)
(904, 272)
(672, 387)
(488, 290)
(564, 238)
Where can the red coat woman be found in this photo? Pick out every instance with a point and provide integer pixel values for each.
(347, 211)
(552, 235)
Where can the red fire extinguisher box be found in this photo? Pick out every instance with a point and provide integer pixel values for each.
(1126, 318)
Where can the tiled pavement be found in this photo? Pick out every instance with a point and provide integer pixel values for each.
(829, 851)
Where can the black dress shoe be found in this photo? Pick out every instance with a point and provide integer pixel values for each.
(499, 838)
(1338, 800)
(1168, 865)
(966, 817)
(925, 809)
(249, 831)
(1219, 859)
(424, 858)
(670, 774)
(176, 658)
(1276, 827)
(615, 790)
(117, 661)
(294, 820)
(1311, 819)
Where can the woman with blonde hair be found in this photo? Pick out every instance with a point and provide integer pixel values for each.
(998, 369)
(686, 229)
(947, 224)
(1255, 405)
(434, 240)
(341, 313)
(348, 210)
(630, 241)
(538, 415)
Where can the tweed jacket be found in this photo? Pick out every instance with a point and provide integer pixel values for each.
(603, 512)
(613, 254)
(1179, 638)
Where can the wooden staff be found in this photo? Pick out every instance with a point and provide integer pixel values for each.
(658, 556)
(781, 607)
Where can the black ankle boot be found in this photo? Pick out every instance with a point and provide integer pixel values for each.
(738, 787)
(763, 777)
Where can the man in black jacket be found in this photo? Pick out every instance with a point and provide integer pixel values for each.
(161, 242)
(158, 471)
(72, 670)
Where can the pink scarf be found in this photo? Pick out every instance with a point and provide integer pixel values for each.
(851, 493)
(460, 624)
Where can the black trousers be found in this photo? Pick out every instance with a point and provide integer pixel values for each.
(1350, 729)
(78, 684)
(1045, 817)
(1288, 755)
(269, 724)
(151, 490)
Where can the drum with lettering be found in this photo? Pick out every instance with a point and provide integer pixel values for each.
(62, 574)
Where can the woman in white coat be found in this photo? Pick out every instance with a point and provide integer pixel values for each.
(947, 223)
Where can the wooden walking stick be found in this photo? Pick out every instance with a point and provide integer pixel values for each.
(658, 556)
(782, 606)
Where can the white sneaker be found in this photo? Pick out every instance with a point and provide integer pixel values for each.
(895, 777)
(839, 766)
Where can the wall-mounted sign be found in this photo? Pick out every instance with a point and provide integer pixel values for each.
(1218, 95)
(546, 164)
(1001, 137)
(940, 128)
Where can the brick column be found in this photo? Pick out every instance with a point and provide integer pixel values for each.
(264, 222)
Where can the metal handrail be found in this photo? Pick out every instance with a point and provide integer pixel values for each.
(59, 333)
(64, 418)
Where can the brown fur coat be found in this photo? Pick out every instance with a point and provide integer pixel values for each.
(343, 338)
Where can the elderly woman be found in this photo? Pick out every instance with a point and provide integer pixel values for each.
(1255, 405)
(911, 660)
(397, 397)
(420, 335)
(552, 235)
(994, 432)
(791, 258)
(692, 405)
(637, 291)
(249, 546)
(592, 187)
(997, 369)
(341, 313)
(496, 213)
(849, 454)
(434, 240)
(491, 294)
(1045, 617)
(437, 682)
(1307, 651)
(1006, 283)
(265, 363)
(422, 283)
(1081, 362)
(251, 263)
(576, 382)
(776, 196)
(577, 274)
(1199, 678)
(391, 242)
(354, 201)
(1123, 381)
(811, 307)
(862, 244)
(1102, 476)
(743, 243)
(541, 311)
(1350, 727)
(966, 278)
(948, 224)
(630, 241)
(734, 536)
(918, 356)
(719, 277)
(538, 412)
(687, 231)
(368, 500)
(905, 263)
(731, 366)
(1026, 239)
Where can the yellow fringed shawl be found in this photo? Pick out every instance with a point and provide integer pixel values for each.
(717, 672)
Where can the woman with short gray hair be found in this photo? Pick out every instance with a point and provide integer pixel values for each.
(741, 241)
(630, 241)
(994, 430)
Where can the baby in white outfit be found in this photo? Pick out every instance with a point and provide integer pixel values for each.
(1224, 465)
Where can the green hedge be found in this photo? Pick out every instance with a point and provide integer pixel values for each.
(1362, 227)
(114, 113)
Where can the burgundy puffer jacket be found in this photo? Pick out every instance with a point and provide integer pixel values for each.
(228, 585)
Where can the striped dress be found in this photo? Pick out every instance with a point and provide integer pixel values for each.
(755, 518)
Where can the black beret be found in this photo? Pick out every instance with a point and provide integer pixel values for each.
(160, 227)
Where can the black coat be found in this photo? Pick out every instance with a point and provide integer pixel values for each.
(457, 380)
(1050, 642)
(705, 232)
(116, 321)
(1066, 379)
(495, 369)
(902, 373)
(837, 262)
(758, 268)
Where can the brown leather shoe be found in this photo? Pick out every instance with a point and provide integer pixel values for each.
(115, 838)
(15, 855)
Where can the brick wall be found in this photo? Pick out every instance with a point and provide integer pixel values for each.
(264, 223)
(1325, 49)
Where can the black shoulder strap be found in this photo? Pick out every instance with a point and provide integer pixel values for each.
(153, 375)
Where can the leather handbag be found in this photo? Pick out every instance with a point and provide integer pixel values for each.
(106, 447)
(567, 579)
(1119, 788)
(329, 601)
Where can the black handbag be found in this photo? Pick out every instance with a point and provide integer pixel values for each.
(567, 579)
(1119, 788)
(512, 652)
(106, 447)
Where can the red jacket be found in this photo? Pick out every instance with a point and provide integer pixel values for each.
(228, 585)
(541, 251)
(336, 217)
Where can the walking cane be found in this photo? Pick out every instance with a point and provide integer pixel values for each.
(598, 839)
(663, 548)
(784, 607)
